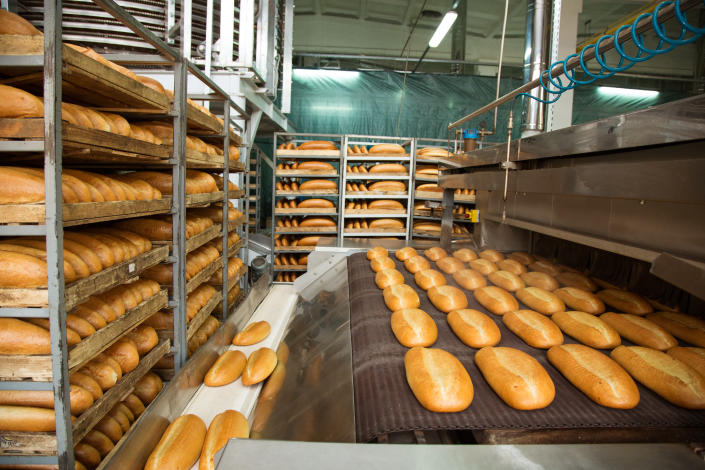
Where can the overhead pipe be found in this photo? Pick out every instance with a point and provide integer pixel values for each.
(538, 20)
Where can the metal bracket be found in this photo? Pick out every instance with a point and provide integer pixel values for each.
(507, 165)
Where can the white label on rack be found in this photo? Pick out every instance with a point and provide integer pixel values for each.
(131, 268)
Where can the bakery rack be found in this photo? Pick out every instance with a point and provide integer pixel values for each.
(282, 156)
(68, 74)
(254, 192)
(349, 177)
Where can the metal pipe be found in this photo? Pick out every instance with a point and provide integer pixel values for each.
(538, 19)
(501, 60)
(625, 36)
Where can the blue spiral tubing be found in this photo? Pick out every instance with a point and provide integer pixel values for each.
(665, 44)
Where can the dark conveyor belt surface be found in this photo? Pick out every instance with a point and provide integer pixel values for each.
(385, 404)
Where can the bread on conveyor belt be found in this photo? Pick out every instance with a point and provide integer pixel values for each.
(416, 263)
(414, 327)
(381, 263)
(388, 168)
(588, 329)
(522, 257)
(317, 145)
(469, 279)
(506, 280)
(388, 277)
(536, 330)
(428, 278)
(226, 369)
(377, 252)
(465, 255)
(447, 298)
(386, 204)
(400, 296)
(540, 280)
(685, 327)
(315, 203)
(581, 300)
(693, 357)
(511, 266)
(626, 302)
(640, 330)
(491, 255)
(180, 445)
(450, 265)
(225, 426)
(438, 380)
(516, 377)
(405, 253)
(435, 253)
(387, 148)
(315, 165)
(602, 379)
(259, 366)
(482, 266)
(317, 184)
(544, 266)
(577, 280)
(673, 380)
(496, 300)
(252, 334)
(540, 300)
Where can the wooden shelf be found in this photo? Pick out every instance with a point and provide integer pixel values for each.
(294, 249)
(198, 320)
(200, 199)
(376, 176)
(306, 173)
(304, 230)
(197, 240)
(383, 213)
(401, 230)
(281, 211)
(315, 192)
(290, 267)
(77, 292)
(375, 194)
(309, 153)
(203, 275)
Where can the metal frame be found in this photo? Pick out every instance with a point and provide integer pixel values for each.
(254, 191)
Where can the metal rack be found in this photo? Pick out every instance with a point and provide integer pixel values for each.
(52, 227)
(255, 182)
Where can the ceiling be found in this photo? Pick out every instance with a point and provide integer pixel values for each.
(325, 29)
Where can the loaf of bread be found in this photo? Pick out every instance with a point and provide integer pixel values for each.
(533, 328)
(540, 280)
(682, 326)
(259, 366)
(180, 445)
(427, 226)
(482, 266)
(148, 387)
(435, 253)
(315, 203)
(252, 334)
(380, 264)
(405, 253)
(11, 23)
(22, 337)
(317, 222)
(414, 327)
(540, 300)
(438, 380)
(226, 369)
(308, 241)
(516, 377)
(80, 398)
(225, 426)
(315, 165)
(387, 186)
(693, 357)
(588, 329)
(433, 152)
(596, 375)
(388, 168)
(416, 263)
(506, 280)
(125, 352)
(145, 338)
(581, 300)
(18, 103)
(544, 266)
(491, 255)
(428, 278)
(522, 257)
(673, 380)
(450, 264)
(640, 331)
(465, 255)
(27, 418)
(496, 300)
(388, 277)
(626, 302)
(447, 298)
(469, 279)
(426, 170)
(313, 185)
(511, 265)
(110, 427)
(474, 328)
(577, 280)
(394, 149)
(317, 145)
(134, 404)
(377, 252)
(400, 296)
(385, 204)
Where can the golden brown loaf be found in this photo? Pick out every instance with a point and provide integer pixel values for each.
(469, 279)
(315, 165)
(506, 280)
(540, 300)
(316, 203)
(516, 377)
(385, 204)
(465, 255)
(380, 264)
(579, 299)
(387, 186)
(275, 382)
(86, 454)
(416, 263)
(428, 278)
(259, 366)
(693, 357)
(596, 375)
(145, 338)
(394, 149)
(134, 404)
(533, 328)
(99, 442)
(226, 369)
(225, 426)
(400, 296)
(18, 103)
(522, 257)
(540, 280)
(685, 327)
(21, 337)
(87, 383)
(388, 277)
(316, 184)
(414, 327)
(483, 266)
(511, 265)
(377, 252)
(317, 222)
(80, 398)
(317, 145)
(639, 330)
(388, 168)
(405, 253)
(386, 223)
(544, 266)
(450, 264)
(11, 23)
(447, 298)
(491, 255)
(474, 328)
(429, 187)
(252, 334)
(580, 281)
(496, 300)
(148, 387)
(438, 380)
(125, 352)
(588, 329)
(626, 302)
(435, 253)
(180, 445)
(27, 418)
(670, 378)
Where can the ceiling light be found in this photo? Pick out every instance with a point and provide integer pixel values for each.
(627, 92)
(443, 28)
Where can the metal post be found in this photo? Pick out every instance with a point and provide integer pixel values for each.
(54, 231)
(246, 35)
(447, 218)
(226, 199)
(186, 24)
(227, 37)
(411, 189)
(209, 39)
(459, 36)
(538, 20)
(246, 229)
(343, 178)
(263, 39)
(288, 52)
(274, 202)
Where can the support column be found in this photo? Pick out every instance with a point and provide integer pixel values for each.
(535, 61)
(459, 36)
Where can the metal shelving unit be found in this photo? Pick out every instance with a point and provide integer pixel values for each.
(255, 182)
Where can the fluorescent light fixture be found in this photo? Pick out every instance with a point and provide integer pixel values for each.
(333, 108)
(627, 92)
(443, 28)
(338, 75)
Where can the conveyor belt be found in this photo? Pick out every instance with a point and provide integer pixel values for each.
(385, 404)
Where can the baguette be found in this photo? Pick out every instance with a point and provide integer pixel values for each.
(311, 185)
(546, 267)
(377, 252)
(447, 298)
(516, 377)
(522, 257)
(18, 103)
(438, 380)
(387, 186)
(434, 152)
(252, 334)
(685, 327)
(385, 204)
(225, 426)
(496, 300)
(580, 300)
(18, 187)
(540, 280)
(506, 280)
(626, 302)
(577, 280)
(491, 255)
(317, 145)
(428, 226)
(386, 223)
(27, 418)
(416, 263)
(21, 337)
(259, 366)
(533, 328)
(405, 253)
(428, 278)
(87, 383)
(80, 398)
(388, 277)
(693, 357)
(483, 266)
(469, 279)
(602, 379)
(316, 203)
(180, 445)
(315, 165)
(413, 327)
(22, 271)
(587, 329)
(668, 377)
(640, 331)
(380, 264)
(308, 241)
(450, 264)
(474, 328)
(465, 255)
(511, 265)
(426, 170)
(540, 300)
(317, 222)
(388, 168)
(395, 149)
(400, 296)
(435, 253)
(226, 369)
(11, 23)
(429, 187)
